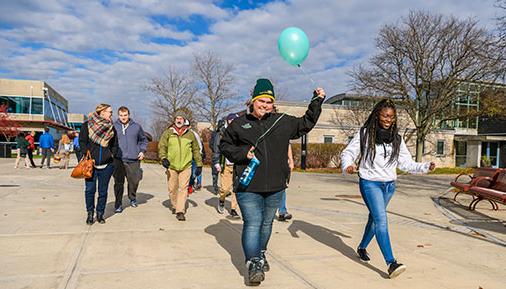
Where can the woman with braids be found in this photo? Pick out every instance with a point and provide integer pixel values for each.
(99, 137)
(380, 150)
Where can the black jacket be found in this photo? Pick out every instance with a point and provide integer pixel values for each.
(101, 155)
(272, 151)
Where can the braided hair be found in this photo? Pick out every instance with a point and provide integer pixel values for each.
(370, 128)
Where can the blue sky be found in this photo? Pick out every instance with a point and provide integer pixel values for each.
(107, 51)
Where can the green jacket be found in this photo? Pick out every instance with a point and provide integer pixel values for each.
(179, 150)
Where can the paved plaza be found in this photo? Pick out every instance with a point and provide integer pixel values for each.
(45, 243)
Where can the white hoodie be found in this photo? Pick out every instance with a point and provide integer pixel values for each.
(379, 170)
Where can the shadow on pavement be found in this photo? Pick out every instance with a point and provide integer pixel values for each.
(210, 189)
(213, 203)
(142, 198)
(330, 238)
(167, 205)
(227, 236)
(435, 200)
(474, 218)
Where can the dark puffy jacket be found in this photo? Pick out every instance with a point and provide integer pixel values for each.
(272, 151)
(132, 141)
(101, 155)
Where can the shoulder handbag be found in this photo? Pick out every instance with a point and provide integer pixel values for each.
(84, 168)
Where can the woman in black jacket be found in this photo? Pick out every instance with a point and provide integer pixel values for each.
(264, 135)
(98, 136)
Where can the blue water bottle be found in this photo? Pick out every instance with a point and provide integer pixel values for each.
(249, 172)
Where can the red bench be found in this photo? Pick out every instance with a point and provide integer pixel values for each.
(494, 193)
(482, 177)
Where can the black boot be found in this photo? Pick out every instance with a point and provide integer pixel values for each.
(100, 218)
(255, 272)
(90, 220)
(265, 265)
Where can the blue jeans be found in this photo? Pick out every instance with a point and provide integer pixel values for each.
(258, 211)
(282, 204)
(376, 196)
(103, 177)
(195, 181)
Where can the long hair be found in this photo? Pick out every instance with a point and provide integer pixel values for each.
(368, 134)
(65, 139)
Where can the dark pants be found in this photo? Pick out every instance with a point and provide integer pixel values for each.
(46, 154)
(78, 154)
(30, 156)
(133, 173)
(103, 177)
(215, 178)
(258, 211)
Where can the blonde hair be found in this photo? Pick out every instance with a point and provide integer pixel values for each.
(101, 107)
(65, 139)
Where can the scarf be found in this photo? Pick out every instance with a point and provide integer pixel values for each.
(384, 136)
(179, 131)
(100, 130)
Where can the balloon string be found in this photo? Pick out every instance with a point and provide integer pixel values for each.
(304, 71)
(312, 81)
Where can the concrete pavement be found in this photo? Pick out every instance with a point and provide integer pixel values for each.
(45, 243)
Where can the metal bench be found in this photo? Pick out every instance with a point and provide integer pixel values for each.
(494, 193)
(482, 177)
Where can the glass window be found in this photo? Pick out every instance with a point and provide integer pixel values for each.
(460, 153)
(440, 149)
(37, 106)
(16, 104)
(328, 139)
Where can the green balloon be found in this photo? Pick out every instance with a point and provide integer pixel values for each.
(293, 45)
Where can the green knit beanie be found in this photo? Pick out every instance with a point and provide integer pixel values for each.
(263, 88)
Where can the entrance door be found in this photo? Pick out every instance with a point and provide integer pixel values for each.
(460, 153)
(491, 151)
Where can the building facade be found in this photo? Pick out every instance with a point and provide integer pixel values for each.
(465, 142)
(34, 105)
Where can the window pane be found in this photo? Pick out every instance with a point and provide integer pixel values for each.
(37, 106)
(440, 147)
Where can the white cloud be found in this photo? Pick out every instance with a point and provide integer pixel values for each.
(342, 34)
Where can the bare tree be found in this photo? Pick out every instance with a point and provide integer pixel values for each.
(214, 79)
(421, 62)
(501, 18)
(175, 90)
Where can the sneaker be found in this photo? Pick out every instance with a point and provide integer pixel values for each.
(265, 265)
(234, 214)
(363, 255)
(284, 217)
(89, 219)
(221, 207)
(173, 211)
(180, 217)
(255, 272)
(118, 210)
(100, 218)
(395, 269)
(133, 203)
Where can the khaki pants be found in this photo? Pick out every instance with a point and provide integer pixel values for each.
(226, 185)
(178, 188)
